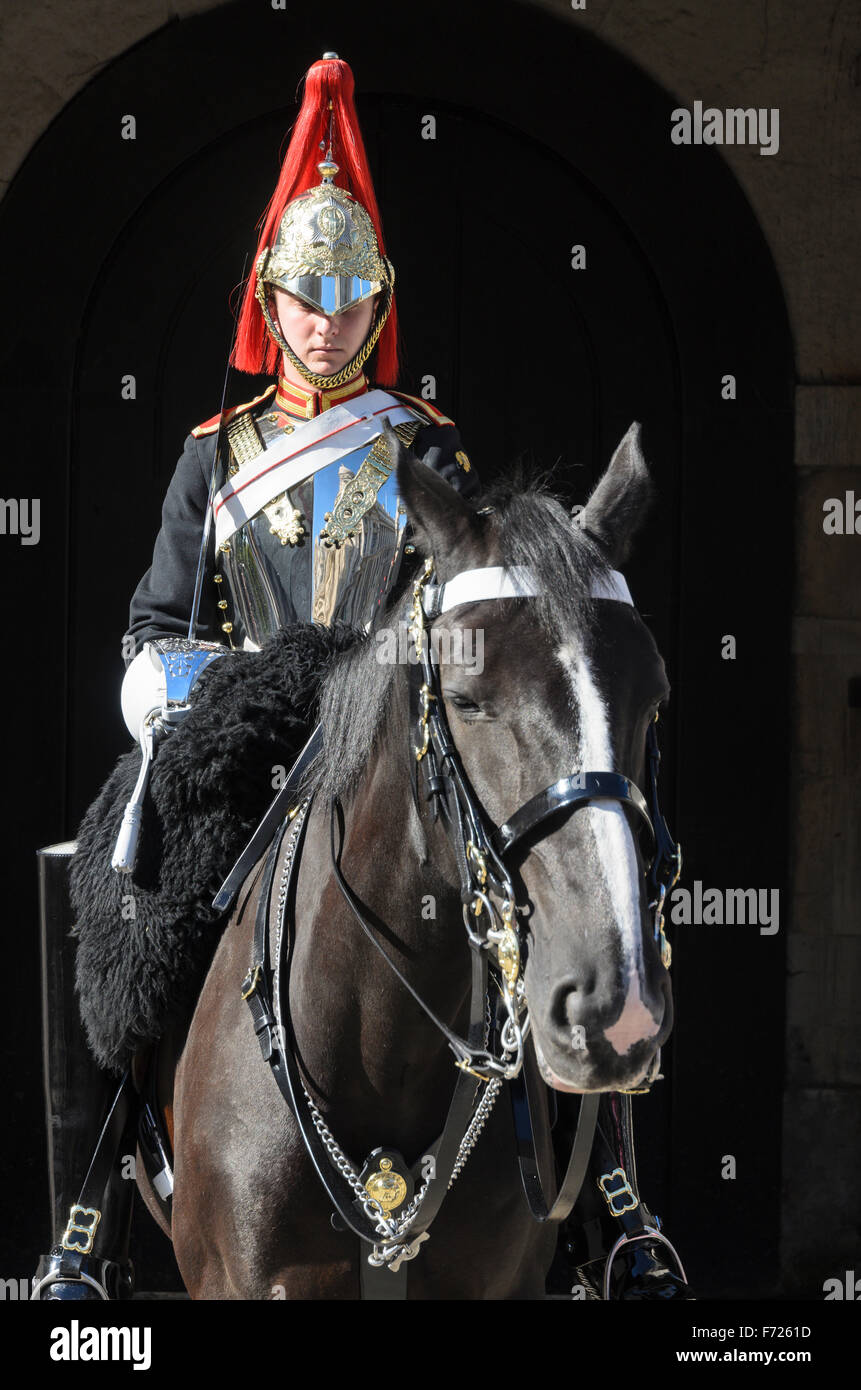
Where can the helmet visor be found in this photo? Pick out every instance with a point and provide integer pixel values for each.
(330, 293)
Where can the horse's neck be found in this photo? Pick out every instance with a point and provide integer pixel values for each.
(361, 1034)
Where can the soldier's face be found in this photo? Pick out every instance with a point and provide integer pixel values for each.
(324, 344)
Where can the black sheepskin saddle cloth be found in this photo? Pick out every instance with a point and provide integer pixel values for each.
(145, 940)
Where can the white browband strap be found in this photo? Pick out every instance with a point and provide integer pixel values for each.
(614, 586)
(474, 586)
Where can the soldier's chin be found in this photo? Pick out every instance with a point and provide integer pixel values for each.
(332, 355)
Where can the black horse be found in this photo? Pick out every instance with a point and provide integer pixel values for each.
(570, 682)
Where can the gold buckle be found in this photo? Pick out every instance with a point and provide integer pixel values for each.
(86, 1230)
(476, 858)
(666, 948)
(427, 696)
(251, 981)
(625, 1190)
(417, 617)
(463, 1065)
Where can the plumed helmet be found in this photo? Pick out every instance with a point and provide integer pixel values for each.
(321, 240)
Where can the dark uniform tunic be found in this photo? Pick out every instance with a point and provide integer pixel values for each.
(162, 601)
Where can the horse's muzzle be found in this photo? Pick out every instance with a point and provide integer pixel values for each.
(579, 1049)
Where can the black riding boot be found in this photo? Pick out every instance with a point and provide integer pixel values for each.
(612, 1246)
(91, 1200)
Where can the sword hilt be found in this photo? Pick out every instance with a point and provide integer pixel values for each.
(126, 850)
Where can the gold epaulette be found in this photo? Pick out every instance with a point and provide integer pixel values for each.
(210, 426)
(434, 415)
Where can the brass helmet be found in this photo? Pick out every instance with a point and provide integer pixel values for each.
(323, 245)
(326, 253)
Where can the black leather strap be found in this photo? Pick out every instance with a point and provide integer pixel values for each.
(461, 1047)
(636, 1220)
(463, 1102)
(256, 993)
(667, 862)
(283, 801)
(531, 1124)
(119, 1126)
(446, 1148)
(568, 792)
(380, 1283)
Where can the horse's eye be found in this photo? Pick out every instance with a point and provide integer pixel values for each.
(462, 704)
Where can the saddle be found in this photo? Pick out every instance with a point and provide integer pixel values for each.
(146, 939)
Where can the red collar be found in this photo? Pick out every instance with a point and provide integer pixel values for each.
(306, 403)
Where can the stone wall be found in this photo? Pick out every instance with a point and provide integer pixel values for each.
(822, 1116)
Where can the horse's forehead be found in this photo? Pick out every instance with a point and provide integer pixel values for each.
(617, 653)
(477, 550)
(574, 659)
(585, 649)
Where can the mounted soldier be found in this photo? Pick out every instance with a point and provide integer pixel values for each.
(319, 306)
(283, 510)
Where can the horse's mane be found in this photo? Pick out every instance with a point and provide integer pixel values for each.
(532, 528)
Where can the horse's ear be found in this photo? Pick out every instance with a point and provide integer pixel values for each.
(439, 515)
(617, 507)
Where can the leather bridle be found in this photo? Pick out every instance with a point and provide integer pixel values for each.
(480, 847)
(489, 911)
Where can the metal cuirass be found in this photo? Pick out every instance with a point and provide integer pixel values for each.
(310, 526)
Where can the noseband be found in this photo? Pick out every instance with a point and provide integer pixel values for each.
(480, 847)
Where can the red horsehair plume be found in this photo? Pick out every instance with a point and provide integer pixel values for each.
(331, 79)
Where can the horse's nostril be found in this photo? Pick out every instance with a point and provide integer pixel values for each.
(571, 998)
